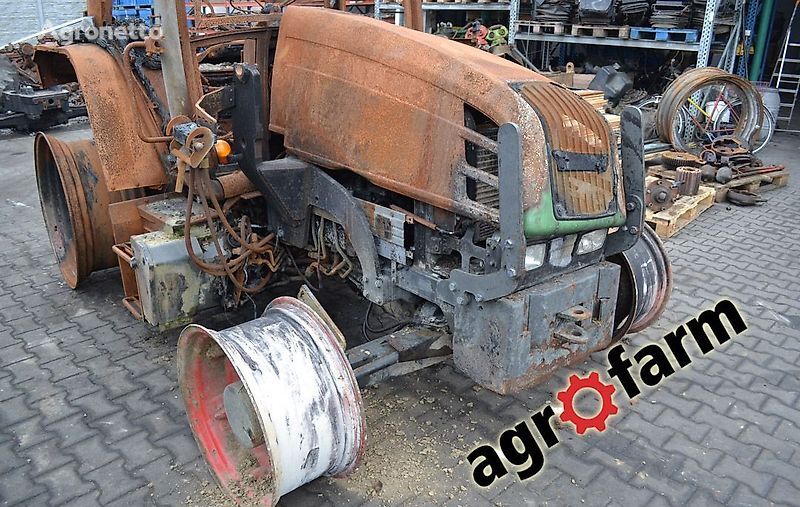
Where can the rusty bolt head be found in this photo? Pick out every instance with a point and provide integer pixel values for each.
(153, 44)
(238, 70)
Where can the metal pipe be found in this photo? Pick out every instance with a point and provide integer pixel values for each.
(232, 185)
(172, 64)
(761, 39)
(40, 13)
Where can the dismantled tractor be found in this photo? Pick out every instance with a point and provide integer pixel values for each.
(483, 204)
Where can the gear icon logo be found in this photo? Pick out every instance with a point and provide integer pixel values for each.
(607, 408)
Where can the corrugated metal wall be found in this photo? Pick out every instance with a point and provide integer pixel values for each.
(20, 18)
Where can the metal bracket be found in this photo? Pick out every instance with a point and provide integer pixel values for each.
(246, 116)
(633, 174)
(580, 162)
(456, 289)
(400, 353)
(292, 187)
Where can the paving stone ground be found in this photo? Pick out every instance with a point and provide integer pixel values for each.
(90, 413)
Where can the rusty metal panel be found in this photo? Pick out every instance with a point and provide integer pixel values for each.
(582, 165)
(403, 124)
(127, 161)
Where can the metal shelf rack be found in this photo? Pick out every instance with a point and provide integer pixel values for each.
(702, 48)
(608, 41)
(429, 8)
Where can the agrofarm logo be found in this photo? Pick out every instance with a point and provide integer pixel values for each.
(523, 450)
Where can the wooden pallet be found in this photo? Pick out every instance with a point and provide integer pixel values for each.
(542, 27)
(609, 32)
(663, 34)
(688, 207)
(757, 183)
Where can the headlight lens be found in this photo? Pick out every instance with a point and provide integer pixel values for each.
(561, 250)
(534, 256)
(591, 241)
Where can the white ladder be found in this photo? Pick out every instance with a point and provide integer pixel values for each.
(786, 74)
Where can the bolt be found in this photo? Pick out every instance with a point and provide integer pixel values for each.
(462, 300)
(511, 272)
(509, 243)
(378, 283)
(452, 286)
(478, 297)
(634, 230)
(630, 207)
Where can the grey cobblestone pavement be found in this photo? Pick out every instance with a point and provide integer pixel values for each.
(90, 411)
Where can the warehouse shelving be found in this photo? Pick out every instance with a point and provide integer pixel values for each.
(608, 41)
(702, 48)
(428, 8)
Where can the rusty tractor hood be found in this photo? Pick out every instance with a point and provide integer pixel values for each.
(387, 102)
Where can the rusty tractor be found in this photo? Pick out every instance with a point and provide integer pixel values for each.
(490, 209)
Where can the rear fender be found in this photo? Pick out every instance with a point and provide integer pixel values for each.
(127, 161)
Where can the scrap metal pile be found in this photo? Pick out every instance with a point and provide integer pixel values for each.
(705, 103)
(475, 33)
(596, 12)
(671, 13)
(27, 105)
(556, 11)
(633, 12)
(714, 121)
(656, 13)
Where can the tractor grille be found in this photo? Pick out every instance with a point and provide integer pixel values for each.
(486, 194)
(583, 176)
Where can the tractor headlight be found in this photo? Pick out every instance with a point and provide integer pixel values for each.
(534, 256)
(591, 241)
(561, 250)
